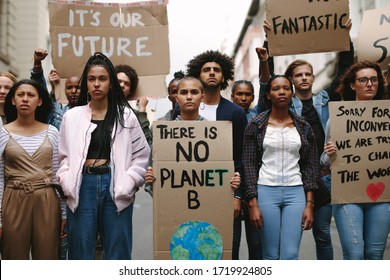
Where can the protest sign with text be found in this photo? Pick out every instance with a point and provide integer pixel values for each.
(193, 164)
(307, 26)
(361, 167)
(374, 36)
(126, 34)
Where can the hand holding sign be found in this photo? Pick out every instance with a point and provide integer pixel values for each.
(194, 179)
(361, 169)
(235, 181)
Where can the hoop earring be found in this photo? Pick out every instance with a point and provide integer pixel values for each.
(204, 106)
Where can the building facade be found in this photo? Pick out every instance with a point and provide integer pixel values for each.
(24, 27)
(324, 64)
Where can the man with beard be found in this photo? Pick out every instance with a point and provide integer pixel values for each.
(214, 70)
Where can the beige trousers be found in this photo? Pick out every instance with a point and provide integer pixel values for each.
(31, 222)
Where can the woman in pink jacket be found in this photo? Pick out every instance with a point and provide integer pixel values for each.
(103, 155)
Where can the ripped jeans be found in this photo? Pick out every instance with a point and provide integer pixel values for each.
(363, 229)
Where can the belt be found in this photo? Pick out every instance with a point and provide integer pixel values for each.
(101, 169)
(29, 186)
(325, 172)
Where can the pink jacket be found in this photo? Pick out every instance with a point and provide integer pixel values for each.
(129, 156)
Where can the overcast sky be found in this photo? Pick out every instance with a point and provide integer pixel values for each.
(196, 26)
(199, 25)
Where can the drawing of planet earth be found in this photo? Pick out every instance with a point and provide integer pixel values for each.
(196, 240)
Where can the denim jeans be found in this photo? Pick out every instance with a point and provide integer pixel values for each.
(64, 248)
(282, 209)
(327, 181)
(363, 229)
(321, 232)
(97, 213)
(252, 234)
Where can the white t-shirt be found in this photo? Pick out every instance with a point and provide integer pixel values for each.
(280, 158)
(209, 112)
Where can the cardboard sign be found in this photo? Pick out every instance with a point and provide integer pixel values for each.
(126, 34)
(307, 26)
(374, 36)
(361, 167)
(192, 197)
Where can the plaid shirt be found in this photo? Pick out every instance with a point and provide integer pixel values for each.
(253, 153)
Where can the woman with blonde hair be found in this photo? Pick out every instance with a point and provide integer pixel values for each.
(7, 80)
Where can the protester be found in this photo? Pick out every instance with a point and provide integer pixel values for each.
(172, 94)
(215, 70)
(190, 93)
(128, 80)
(281, 171)
(362, 227)
(31, 214)
(315, 109)
(72, 93)
(243, 95)
(7, 80)
(100, 180)
(72, 90)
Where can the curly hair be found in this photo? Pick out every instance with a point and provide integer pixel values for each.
(349, 77)
(131, 73)
(195, 65)
(41, 112)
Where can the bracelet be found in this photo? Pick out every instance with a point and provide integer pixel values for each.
(265, 59)
(311, 201)
(37, 65)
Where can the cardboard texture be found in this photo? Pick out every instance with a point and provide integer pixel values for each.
(192, 190)
(374, 36)
(134, 35)
(183, 132)
(361, 167)
(307, 26)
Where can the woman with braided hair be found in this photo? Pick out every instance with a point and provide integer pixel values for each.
(102, 163)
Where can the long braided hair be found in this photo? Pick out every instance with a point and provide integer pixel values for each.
(116, 100)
